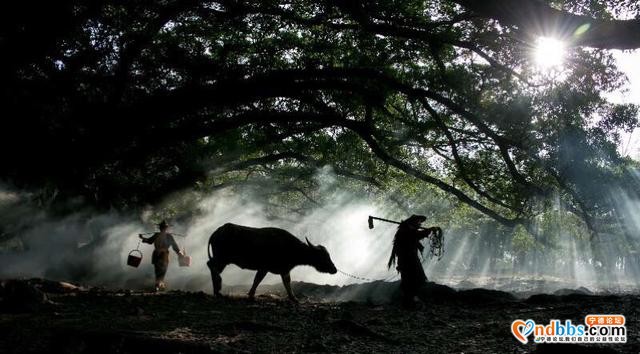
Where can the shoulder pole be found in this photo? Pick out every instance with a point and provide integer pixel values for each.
(371, 218)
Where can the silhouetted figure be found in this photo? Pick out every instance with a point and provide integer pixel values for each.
(406, 246)
(161, 241)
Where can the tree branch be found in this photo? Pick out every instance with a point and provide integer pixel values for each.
(458, 160)
(379, 151)
(537, 18)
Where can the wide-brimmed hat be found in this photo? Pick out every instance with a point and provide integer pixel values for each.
(163, 224)
(415, 219)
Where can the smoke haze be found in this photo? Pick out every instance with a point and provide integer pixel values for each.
(92, 248)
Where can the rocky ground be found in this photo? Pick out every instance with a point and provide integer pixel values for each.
(45, 316)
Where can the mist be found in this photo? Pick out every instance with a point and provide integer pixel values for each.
(91, 248)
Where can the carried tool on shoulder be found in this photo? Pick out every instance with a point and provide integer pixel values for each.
(436, 238)
(172, 233)
(371, 218)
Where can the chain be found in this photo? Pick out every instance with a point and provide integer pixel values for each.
(366, 279)
(424, 259)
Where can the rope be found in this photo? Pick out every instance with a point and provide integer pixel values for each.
(172, 233)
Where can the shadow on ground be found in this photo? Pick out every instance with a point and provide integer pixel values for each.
(45, 316)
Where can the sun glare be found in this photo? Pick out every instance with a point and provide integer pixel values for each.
(549, 52)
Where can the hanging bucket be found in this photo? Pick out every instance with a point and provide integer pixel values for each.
(184, 260)
(134, 259)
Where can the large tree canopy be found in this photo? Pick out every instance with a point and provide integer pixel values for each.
(123, 102)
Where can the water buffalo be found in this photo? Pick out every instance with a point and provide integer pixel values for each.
(266, 249)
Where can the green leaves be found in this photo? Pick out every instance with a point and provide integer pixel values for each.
(405, 97)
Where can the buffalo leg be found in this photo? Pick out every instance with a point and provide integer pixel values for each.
(256, 281)
(216, 268)
(286, 280)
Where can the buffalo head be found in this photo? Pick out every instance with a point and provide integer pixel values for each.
(320, 259)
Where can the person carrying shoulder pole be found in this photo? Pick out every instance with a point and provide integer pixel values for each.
(161, 241)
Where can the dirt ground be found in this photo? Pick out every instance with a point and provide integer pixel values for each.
(43, 316)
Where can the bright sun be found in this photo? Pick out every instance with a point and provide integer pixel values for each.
(549, 52)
